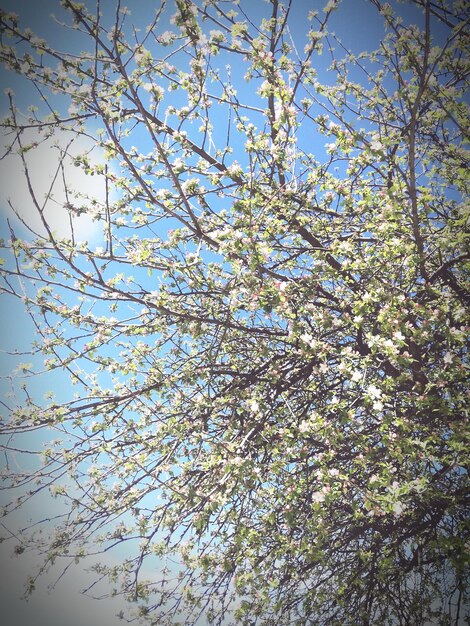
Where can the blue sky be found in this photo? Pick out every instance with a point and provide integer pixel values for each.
(359, 26)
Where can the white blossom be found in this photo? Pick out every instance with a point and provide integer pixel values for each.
(398, 508)
(373, 392)
(376, 146)
(166, 38)
(356, 376)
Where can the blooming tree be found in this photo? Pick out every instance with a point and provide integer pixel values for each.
(269, 340)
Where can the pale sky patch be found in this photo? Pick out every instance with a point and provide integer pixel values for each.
(55, 187)
(59, 606)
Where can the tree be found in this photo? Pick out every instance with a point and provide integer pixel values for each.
(270, 341)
